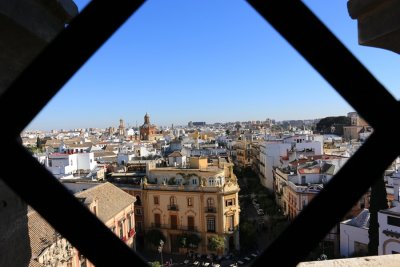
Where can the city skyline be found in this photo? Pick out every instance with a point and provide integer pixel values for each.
(206, 61)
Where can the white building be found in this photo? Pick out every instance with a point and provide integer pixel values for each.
(273, 152)
(389, 223)
(132, 132)
(270, 153)
(354, 235)
(123, 158)
(65, 165)
(41, 157)
(145, 151)
(389, 231)
(176, 159)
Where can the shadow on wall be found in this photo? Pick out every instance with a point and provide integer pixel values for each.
(15, 247)
(26, 27)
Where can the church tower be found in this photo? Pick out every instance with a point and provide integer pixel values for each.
(147, 130)
(121, 128)
(147, 118)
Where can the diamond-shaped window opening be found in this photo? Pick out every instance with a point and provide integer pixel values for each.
(293, 21)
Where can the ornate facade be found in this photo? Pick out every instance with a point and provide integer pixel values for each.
(199, 202)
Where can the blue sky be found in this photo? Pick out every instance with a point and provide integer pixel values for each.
(206, 60)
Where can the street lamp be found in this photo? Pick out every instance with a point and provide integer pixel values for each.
(160, 247)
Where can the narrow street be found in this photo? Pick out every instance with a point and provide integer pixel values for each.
(251, 191)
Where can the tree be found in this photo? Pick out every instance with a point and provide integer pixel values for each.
(228, 132)
(38, 143)
(182, 241)
(216, 243)
(155, 264)
(247, 234)
(378, 201)
(193, 240)
(154, 236)
(188, 241)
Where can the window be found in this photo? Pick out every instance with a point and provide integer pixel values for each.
(230, 202)
(211, 182)
(156, 200)
(129, 218)
(194, 181)
(172, 201)
(395, 221)
(230, 222)
(190, 201)
(211, 224)
(138, 202)
(121, 229)
(138, 211)
(210, 202)
(174, 222)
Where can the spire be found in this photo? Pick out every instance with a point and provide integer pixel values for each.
(147, 118)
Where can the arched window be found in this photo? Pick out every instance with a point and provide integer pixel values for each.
(138, 201)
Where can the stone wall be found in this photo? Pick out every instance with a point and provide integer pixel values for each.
(26, 27)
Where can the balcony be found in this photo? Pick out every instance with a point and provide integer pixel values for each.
(186, 188)
(173, 207)
(157, 225)
(189, 228)
(211, 209)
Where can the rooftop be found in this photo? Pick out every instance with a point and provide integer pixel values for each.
(111, 199)
(361, 220)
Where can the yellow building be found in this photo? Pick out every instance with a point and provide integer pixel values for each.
(243, 153)
(201, 200)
